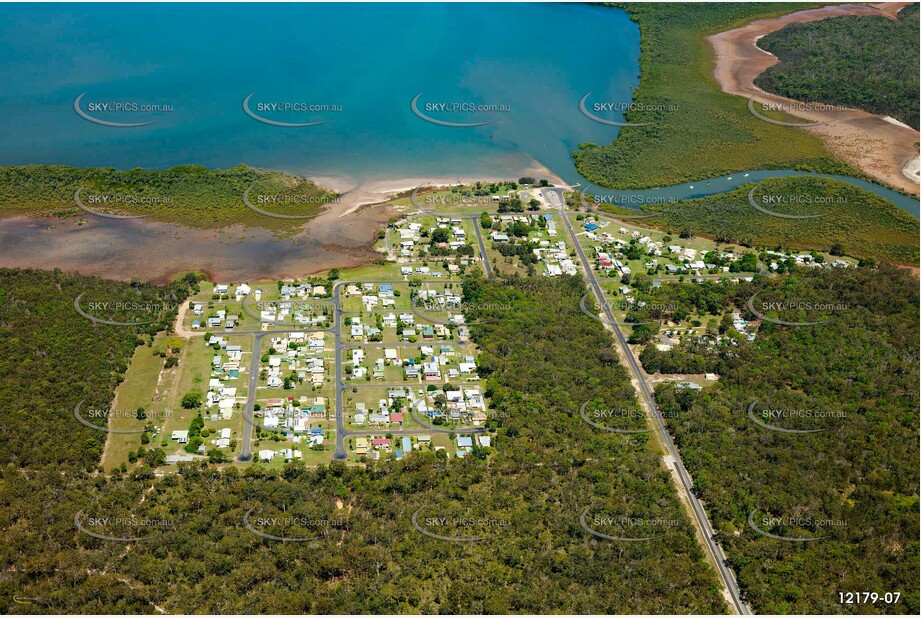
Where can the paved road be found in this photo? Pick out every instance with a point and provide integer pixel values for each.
(487, 267)
(679, 277)
(401, 344)
(555, 198)
(410, 385)
(342, 432)
(479, 239)
(246, 453)
(340, 453)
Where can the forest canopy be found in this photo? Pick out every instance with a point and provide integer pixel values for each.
(865, 62)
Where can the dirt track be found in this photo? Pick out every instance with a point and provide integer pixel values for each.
(881, 148)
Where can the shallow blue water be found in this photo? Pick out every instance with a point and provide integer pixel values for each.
(365, 61)
(370, 59)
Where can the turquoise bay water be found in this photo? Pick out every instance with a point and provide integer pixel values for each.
(368, 59)
(365, 62)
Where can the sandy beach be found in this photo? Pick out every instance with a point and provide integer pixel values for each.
(342, 236)
(872, 143)
(354, 196)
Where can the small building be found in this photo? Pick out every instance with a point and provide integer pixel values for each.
(173, 459)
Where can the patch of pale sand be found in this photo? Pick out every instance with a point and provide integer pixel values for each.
(353, 197)
(341, 236)
(869, 142)
(912, 169)
(897, 123)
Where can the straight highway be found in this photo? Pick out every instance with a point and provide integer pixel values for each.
(555, 198)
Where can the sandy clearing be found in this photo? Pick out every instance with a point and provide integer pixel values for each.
(378, 191)
(868, 142)
(179, 326)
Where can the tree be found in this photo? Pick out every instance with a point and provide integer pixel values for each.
(191, 400)
(439, 235)
(643, 333)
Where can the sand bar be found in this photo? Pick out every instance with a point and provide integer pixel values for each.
(868, 142)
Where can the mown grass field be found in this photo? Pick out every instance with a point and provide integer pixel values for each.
(699, 131)
(138, 390)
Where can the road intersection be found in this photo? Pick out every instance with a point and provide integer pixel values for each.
(342, 432)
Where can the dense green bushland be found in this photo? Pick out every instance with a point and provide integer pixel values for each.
(862, 223)
(699, 131)
(190, 195)
(542, 358)
(870, 63)
(858, 375)
(53, 358)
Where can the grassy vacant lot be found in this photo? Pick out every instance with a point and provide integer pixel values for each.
(862, 223)
(190, 195)
(703, 131)
(140, 389)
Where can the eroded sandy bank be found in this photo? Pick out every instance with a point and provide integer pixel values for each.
(868, 142)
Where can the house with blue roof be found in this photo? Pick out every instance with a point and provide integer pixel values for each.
(406, 443)
(464, 442)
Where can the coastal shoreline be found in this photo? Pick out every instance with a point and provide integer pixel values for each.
(877, 146)
(341, 236)
(376, 191)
